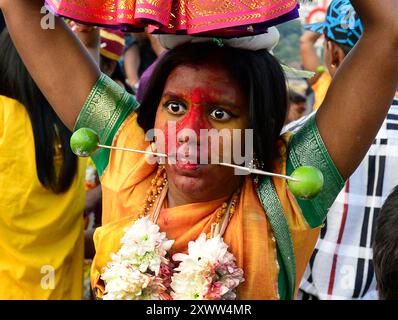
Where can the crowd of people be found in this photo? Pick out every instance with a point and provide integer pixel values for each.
(98, 227)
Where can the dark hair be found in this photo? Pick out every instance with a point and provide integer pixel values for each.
(48, 130)
(295, 97)
(2, 22)
(258, 73)
(385, 248)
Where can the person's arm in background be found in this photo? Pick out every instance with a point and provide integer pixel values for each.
(156, 46)
(132, 62)
(90, 37)
(363, 88)
(55, 58)
(310, 59)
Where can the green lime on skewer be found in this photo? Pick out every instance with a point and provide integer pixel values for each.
(320, 69)
(309, 182)
(84, 142)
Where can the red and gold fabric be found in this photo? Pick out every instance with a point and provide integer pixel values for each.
(182, 16)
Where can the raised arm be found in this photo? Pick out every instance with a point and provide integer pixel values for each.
(56, 59)
(309, 56)
(363, 88)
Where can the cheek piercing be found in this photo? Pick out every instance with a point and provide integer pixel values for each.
(153, 146)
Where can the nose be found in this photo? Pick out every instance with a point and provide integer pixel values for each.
(194, 120)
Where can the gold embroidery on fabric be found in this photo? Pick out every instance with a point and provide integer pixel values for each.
(149, 11)
(154, 3)
(212, 7)
(103, 108)
(256, 4)
(108, 11)
(242, 18)
(309, 138)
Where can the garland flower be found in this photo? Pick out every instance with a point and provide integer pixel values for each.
(207, 272)
(140, 270)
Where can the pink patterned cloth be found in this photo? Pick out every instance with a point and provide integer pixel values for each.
(180, 16)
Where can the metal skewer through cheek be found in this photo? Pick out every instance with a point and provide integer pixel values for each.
(134, 150)
(163, 155)
(259, 172)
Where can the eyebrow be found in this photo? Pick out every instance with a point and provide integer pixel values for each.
(211, 100)
(173, 95)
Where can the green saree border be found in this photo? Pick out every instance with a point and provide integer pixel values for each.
(286, 258)
(104, 111)
(308, 148)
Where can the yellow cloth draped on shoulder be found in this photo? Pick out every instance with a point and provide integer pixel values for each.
(41, 233)
(249, 236)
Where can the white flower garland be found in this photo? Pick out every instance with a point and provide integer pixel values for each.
(141, 269)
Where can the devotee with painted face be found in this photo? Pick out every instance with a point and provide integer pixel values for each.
(212, 84)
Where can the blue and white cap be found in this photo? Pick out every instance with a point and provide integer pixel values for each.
(342, 24)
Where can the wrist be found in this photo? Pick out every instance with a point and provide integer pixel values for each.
(77, 27)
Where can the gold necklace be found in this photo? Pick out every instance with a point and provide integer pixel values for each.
(159, 185)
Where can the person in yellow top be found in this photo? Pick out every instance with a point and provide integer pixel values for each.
(320, 89)
(41, 192)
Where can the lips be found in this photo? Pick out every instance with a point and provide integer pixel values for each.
(187, 166)
(185, 161)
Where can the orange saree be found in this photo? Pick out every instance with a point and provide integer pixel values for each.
(249, 235)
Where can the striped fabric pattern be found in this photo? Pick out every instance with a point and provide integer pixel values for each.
(341, 266)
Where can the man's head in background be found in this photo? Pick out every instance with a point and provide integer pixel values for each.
(297, 106)
(385, 248)
(342, 29)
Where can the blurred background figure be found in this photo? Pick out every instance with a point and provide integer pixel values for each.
(297, 106)
(385, 248)
(142, 49)
(311, 60)
(42, 194)
(112, 46)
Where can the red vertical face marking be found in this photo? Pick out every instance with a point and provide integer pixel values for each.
(197, 96)
(195, 119)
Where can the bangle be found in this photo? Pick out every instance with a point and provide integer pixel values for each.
(85, 28)
(81, 27)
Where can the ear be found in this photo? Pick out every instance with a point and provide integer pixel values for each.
(337, 54)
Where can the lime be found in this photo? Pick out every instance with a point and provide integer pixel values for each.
(84, 142)
(309, 184)
(320, 69)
